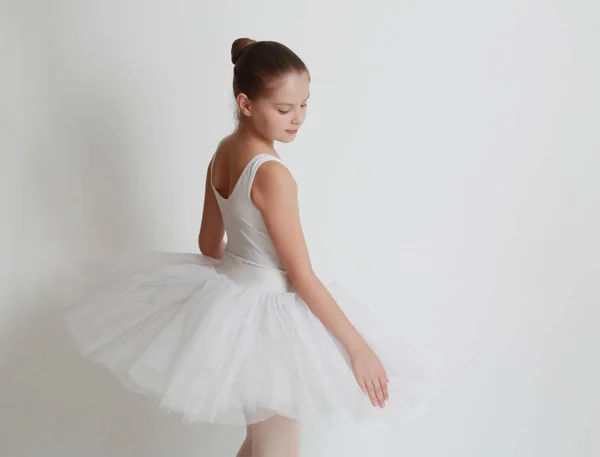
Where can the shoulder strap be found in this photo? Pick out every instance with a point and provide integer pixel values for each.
(212, 166)
(257, 162)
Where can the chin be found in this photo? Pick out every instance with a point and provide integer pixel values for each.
(286, 140)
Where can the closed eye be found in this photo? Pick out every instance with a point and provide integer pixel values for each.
(285, 112)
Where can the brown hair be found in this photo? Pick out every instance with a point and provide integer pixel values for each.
(258, 65)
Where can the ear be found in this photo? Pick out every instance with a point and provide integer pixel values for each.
(244, 104)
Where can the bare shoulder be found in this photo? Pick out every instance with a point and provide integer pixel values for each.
(217, 153)
(272, 181)
(225, 143)
(274, 173)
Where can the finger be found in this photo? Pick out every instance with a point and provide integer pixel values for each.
(363, 386)
(371, 390)
(384, 387)
(379, 392)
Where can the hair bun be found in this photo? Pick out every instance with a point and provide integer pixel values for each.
(238, 47)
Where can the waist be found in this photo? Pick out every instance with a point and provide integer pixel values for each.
(250, 274)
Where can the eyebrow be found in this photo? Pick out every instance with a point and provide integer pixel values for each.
(291, 104)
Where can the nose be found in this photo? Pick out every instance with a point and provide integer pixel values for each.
(298, 119)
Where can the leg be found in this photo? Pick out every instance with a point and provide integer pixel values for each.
(277, 436)
(246, 449)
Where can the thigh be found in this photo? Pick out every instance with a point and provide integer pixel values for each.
(277, 436)
(246, 448)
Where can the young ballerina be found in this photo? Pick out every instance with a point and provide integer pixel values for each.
(245, 332)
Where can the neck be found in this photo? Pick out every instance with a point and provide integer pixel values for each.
(246, 133)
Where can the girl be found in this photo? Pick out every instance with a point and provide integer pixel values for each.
(245, 333)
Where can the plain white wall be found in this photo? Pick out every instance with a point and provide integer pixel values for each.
(449, 176)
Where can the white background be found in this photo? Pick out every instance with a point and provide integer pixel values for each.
(449, 176)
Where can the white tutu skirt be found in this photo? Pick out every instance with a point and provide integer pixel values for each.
(231, 343)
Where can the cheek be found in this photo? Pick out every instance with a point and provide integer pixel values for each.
(271, 124)
(265, 122)
(277, 121)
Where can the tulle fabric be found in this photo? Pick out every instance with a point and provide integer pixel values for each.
(231, 343)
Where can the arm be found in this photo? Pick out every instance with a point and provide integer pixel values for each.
(275, 194)
(212, 228)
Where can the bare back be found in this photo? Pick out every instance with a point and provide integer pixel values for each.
(230, 159)
(272, 192)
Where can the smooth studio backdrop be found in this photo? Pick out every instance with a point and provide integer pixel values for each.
(448, 173)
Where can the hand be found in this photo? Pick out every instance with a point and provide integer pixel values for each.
(370, 375)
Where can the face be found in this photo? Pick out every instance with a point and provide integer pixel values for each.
(279, 116)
